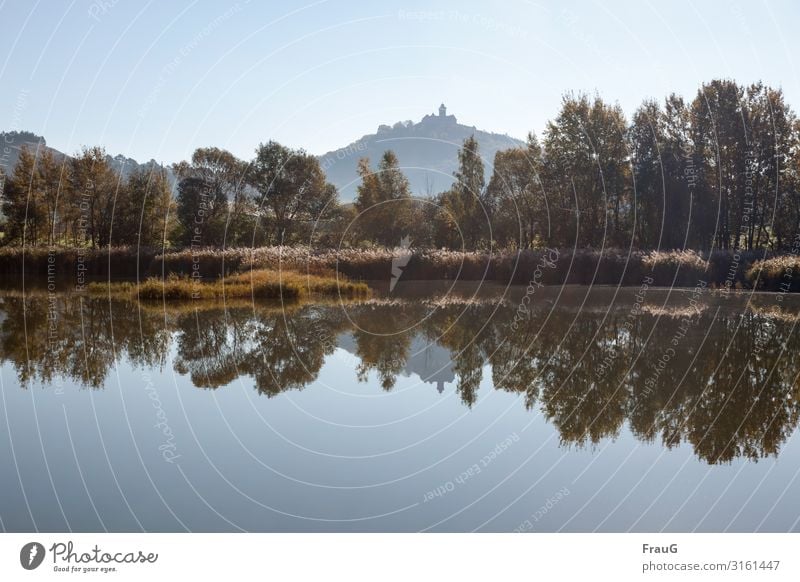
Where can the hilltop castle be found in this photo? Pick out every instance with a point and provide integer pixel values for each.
(440, 119)
(429, 121)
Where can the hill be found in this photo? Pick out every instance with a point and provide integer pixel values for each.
(13, 141)
(427, 150)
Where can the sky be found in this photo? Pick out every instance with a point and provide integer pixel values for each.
(155, 80)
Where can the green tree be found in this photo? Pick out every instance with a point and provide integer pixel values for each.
(664, 173)
(647, 138)
(34, 200)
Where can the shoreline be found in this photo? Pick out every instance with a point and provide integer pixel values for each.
(730, 270)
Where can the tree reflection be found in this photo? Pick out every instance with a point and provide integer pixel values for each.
(722, 380)
(76, 338)
(382, 342)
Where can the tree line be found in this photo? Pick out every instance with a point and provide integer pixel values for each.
(83, 201)
(217, 200)
(717, 172)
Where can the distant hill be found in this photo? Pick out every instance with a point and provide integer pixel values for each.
(15, 140)
(428, 153)
(427, 150)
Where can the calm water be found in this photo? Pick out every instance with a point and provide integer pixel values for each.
(568, 410)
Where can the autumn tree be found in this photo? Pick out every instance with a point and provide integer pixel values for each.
(517, 196)
(770, 174)
(24, 215)
(51, 184)
(465, 206)
(588, 174)
(213, 207)
(291, 192)
(384, 202)
(94, 185)
(144, 214)
(664, 173)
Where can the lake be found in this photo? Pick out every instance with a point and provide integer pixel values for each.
(433, 408)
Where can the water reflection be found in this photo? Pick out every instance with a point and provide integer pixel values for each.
(719, 375)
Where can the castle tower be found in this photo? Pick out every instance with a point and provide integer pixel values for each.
(442, 110)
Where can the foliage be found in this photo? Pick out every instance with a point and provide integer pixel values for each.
(291, 193)
(384, 203)
(214, 205)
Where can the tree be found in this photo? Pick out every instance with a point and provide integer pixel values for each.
(768, 174)
(465, 205)
(586, 161)
(515, 193)
(213, 204)
(144, 214)
(34, 200)
(23, 213)
(720, 140)
(647, 139)
(3, 218)
(664, 173)
(94, 185)
(291, 191)
(383, 202)
(787, 220)
(681, 173)
(49, 182)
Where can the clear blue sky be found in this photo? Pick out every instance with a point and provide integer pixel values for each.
(158, 79)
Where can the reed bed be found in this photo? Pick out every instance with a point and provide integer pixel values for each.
(781, 273)
(580, 266)
(74, 264)
(726, 269)
(258, 284)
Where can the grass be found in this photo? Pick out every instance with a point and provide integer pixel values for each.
(780, 273)
(267, 284)
(273, 284)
